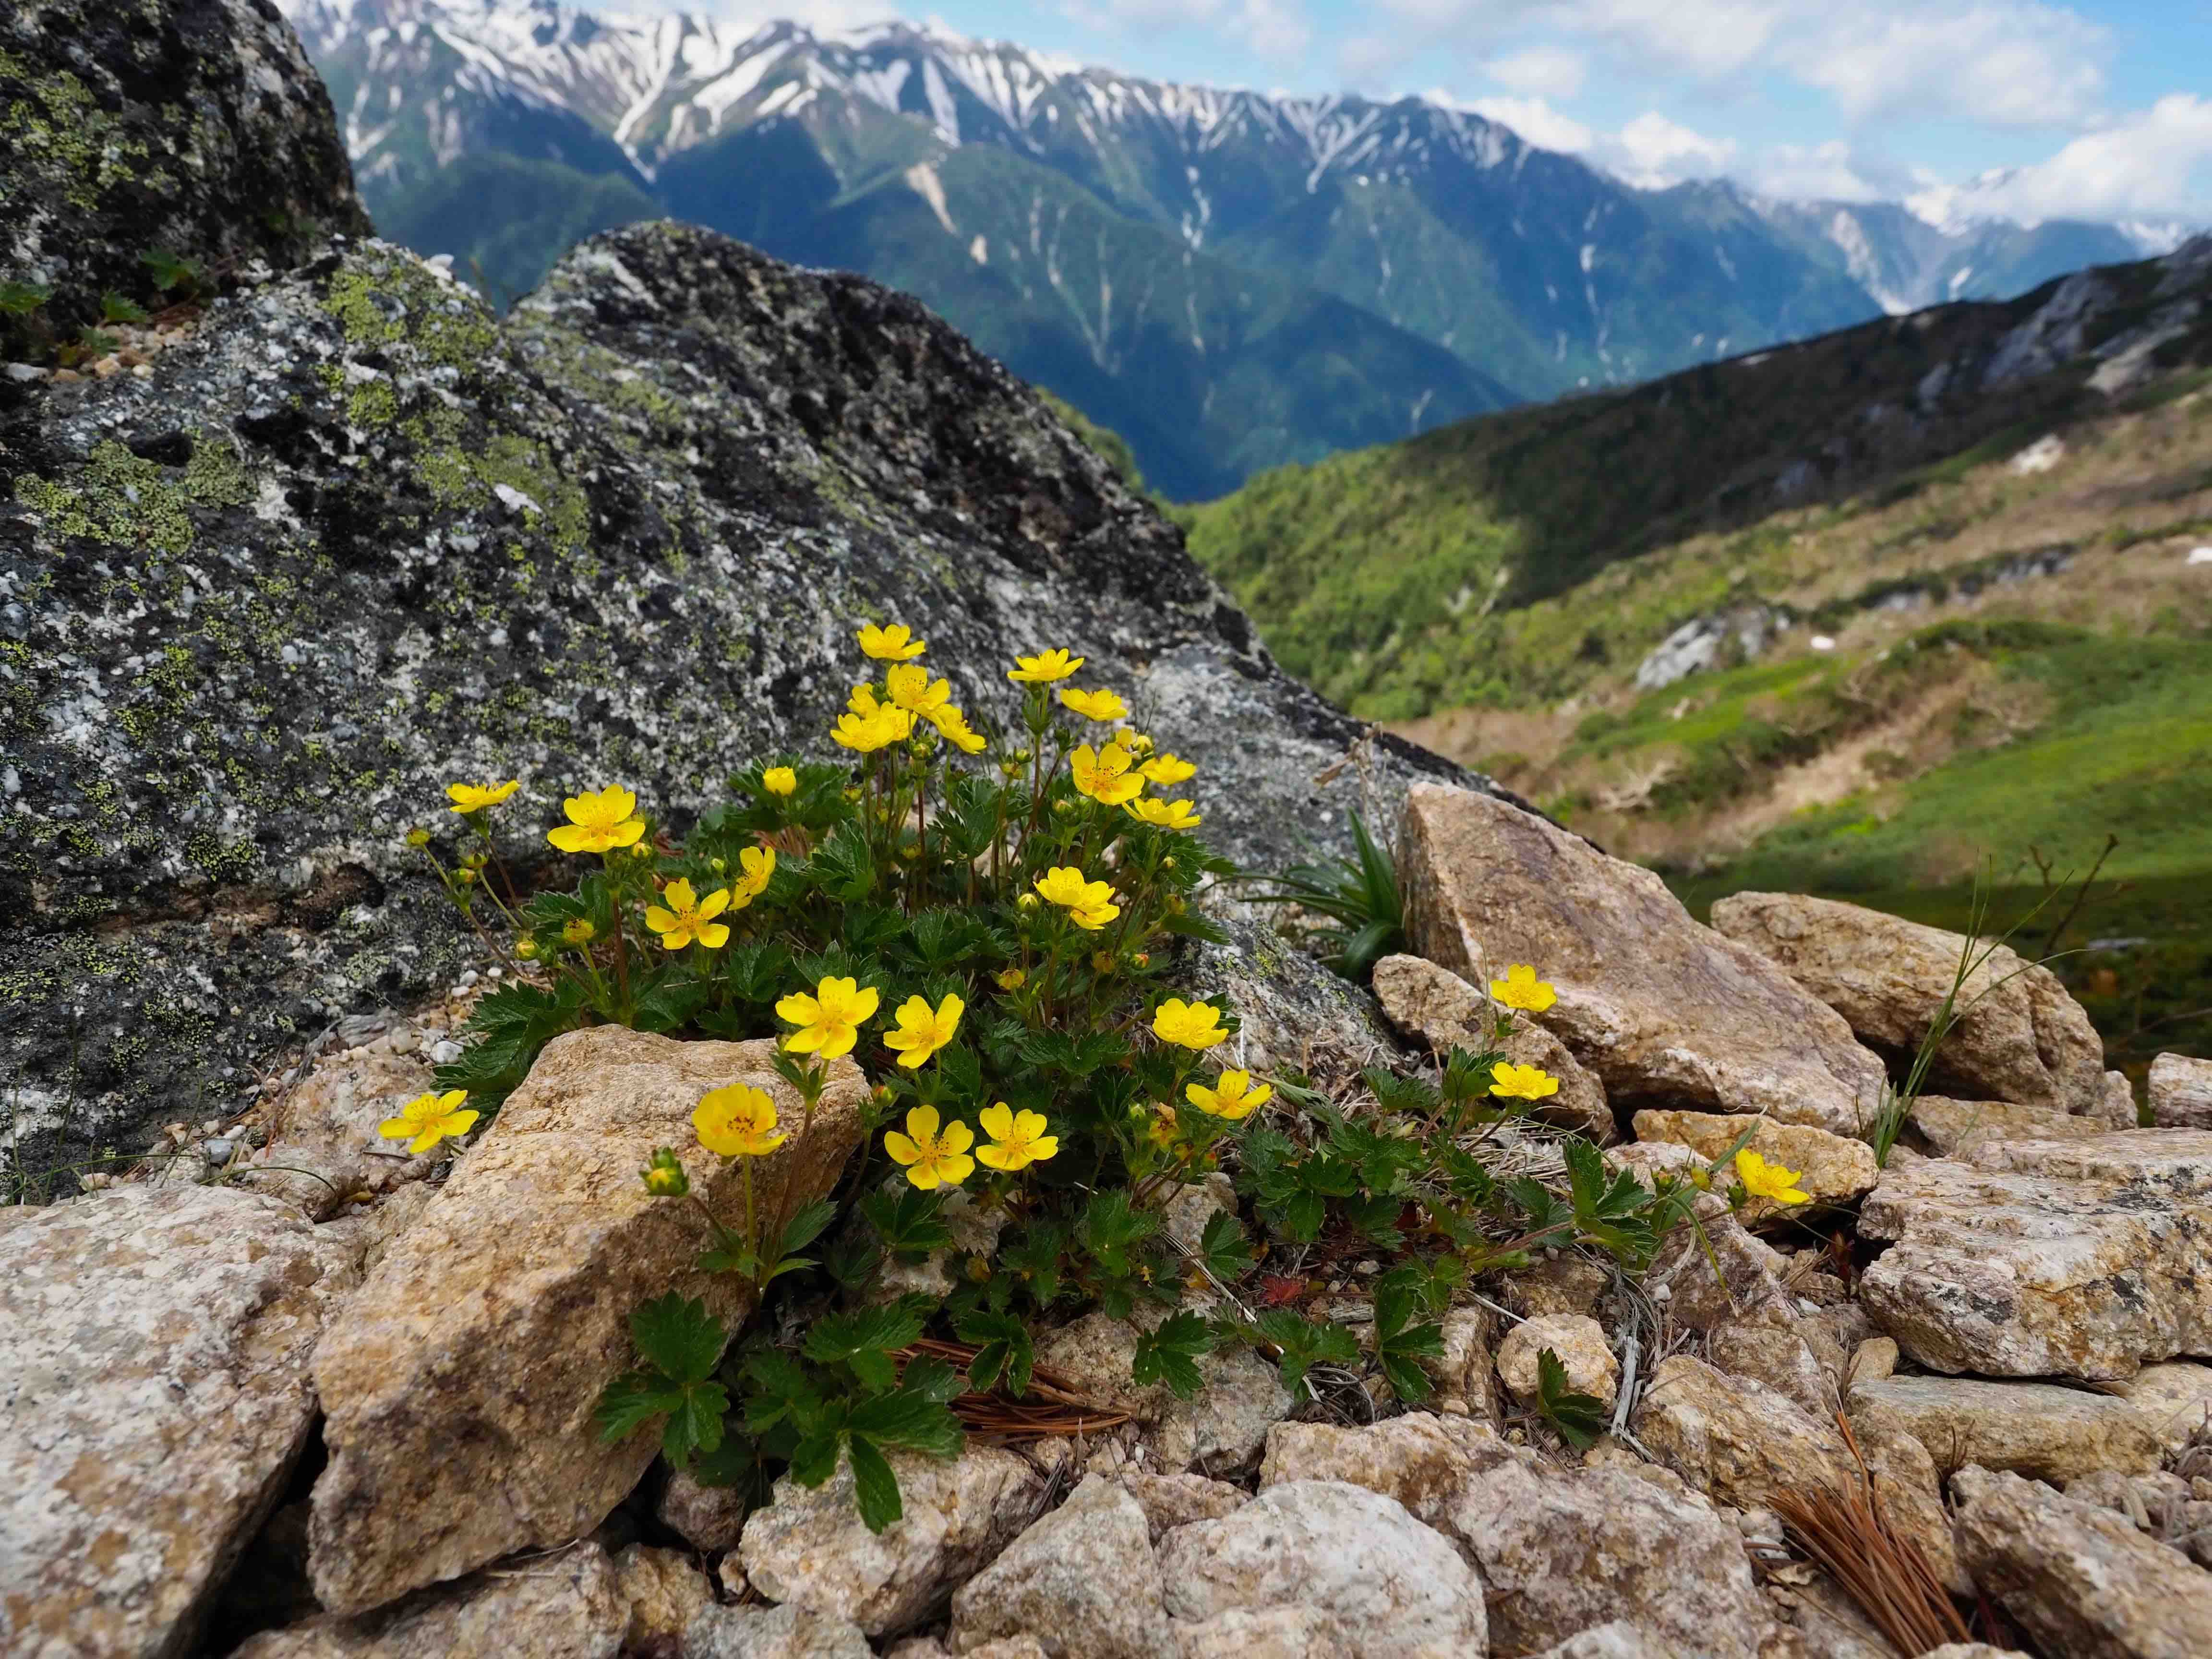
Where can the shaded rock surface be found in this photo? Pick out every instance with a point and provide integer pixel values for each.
(153, 1394)
(2043, 1258)
(191, 125)
(2181, 1092)
(1082, 1581)
(1952, 1128)
(2037, 1429)
(2021, 1036)
(663, 1590)
(759, 1633)
(565, 1606)
(1665, 1012)
(2080, 1579)
(508, 1304)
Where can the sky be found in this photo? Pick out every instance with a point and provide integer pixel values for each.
(2101, 109)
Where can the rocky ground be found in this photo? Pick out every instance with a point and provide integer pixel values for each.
(280, 1391)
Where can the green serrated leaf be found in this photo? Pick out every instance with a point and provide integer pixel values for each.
(875, 1487)
(1169, 1354)
(635, 1399)
(678, 1335)
(1580, 1419)
(696, 1423)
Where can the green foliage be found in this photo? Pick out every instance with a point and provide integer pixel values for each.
(186, 279)
(19, 299)
(1301, 1344)
(680, 1343)
(1360, 898)
(1170, 1353)
(120, 309)
(1579, 1419)
(1400, 1296)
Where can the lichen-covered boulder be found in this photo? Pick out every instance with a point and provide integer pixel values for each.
(194, 127)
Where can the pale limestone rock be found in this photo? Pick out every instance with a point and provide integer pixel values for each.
(1972, 1651)
(1420, 1459)
(565, 1606)
(1193, 1206)
(2175, 1399)
(1293, 1632)
(1826, 1623)
(153, 1394)
(1664, 1011)
(460, 1381)
(1396, 1588)
(663, 1591)
(1783, 1360)
(1831, 1169)
(1954, 1128)
(1169, 1501)
(2043, 1258)
(764, 1632)
(2036, 1428)
(2021, 1038)
(2079, 1579)
(709, 1519)
(1615, 1639)
(1222, 1427)
(1909, 1487)
(810, 1548)
(1748, 1290)
(1437, 1007)
(1566, 1284)
(1872, 1361)
(1579, 1342)
(1560, 1551)
(1465, 1370)
(1082, 1581)
(324, 1134)
(2180, 1093)
(2119, 1109)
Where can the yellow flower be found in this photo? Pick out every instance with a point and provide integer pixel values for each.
(579, 932)
(911, 689)
(1094, 917)
(779, 781)
(1012, 980)
(1103, 775)
(895, 643)
(931, 1158)
(865, 733)
(1162, 1128)
(1190, 1024)
(922, 1030)
(1764, 1180)
(1521, 989)
(1101, 705)
(598, 823)
(953, 725)
(758, 864)
(830, 1021)
(1064, 885)
(1017, 1139)
(1522, 1082)
(1232, 1097)
(686, 917)
(739, 1121)
(1168, 814)
(469, 798)
(1044, 667)
(1168, 770)
(427, 1120)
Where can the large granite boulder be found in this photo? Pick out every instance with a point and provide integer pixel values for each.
(2047, 1258)
(359, 536)
(1666, 1013)
(460, 1381)
(2019, 1037)
(191, 127)
(154, 1393)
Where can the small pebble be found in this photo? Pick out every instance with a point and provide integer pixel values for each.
(445, 1053)
(218, 1152)
(143, 372)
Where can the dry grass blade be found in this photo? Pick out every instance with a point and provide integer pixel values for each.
(1879, 1568)
(1051, 1407)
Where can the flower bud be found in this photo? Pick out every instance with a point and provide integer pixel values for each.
(1175, 906)
(641, 850)
(1027, 902)
(1024, 755)
(526, 949)
(466, 878)
(1012, 980)
(721, 865)
(852, 796)
(978, 1270)
(664, 1176)
(1062, 807)
(579, 932)
(1168, 863)
(418, 838)
(1142, 959)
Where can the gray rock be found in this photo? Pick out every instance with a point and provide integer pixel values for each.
(95, 171)
(1954, 1128)
(1420, 1459)
(1082, 1581)
(788, 1632)
(1665, 1012)
(567, 1606)
(2181, 1092)
(1169, 1501)
(2035, 1429)
(2080, 1579)
(2021, 1037)
(154, 1395)
(709, 1519)
(2047, 1258)
(1219, 1428)
(663, 1591)
(1295, 1014)
(1269, 1633)
(1397, 1589)
(808, 1548)
(1615, 1639)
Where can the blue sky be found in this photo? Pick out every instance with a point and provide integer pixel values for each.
(2099, 108)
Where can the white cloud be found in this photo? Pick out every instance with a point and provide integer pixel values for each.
(1534, 119)
(1828, 172)
(1652, 151)
(1275, 29)
(1539, 71)
(2001, 62)
(2154, 163)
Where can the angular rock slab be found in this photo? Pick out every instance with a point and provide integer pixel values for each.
(2040, 1430)
(1082, 1581)
(1831, 1169)
(568, 1606)
(460, 1381)
(2022, 1037)
(2047, 1258)
(323, 1144)
(1954, 1128)
(2181, 1092)
(1667, 1013)
(2080, 1579)
(153, 1393)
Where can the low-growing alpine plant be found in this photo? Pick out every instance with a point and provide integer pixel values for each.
(990, 924)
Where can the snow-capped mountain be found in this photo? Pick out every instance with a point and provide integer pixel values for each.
(1140, 247)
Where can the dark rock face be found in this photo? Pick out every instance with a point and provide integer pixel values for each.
(194, 126)
(356, 539)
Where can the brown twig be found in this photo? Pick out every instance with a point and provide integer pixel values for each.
(1052, 1407)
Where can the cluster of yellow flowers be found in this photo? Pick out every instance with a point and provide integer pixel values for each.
(869, 723)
